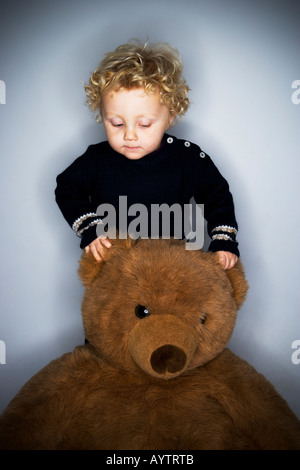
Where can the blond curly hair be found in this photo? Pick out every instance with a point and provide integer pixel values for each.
(155, 67)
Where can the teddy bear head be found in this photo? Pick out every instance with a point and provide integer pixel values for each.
(153, 307)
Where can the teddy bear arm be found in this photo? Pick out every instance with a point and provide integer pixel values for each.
(254, 405)
(36, 417)
(25, 423)
(22, 427)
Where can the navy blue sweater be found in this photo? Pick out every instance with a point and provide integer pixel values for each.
(174, 174)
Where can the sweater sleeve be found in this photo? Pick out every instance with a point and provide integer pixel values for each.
(73, 195)
(212, 190)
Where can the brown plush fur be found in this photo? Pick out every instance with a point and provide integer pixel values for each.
(160, 381)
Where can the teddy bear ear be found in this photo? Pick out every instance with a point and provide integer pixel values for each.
(239, 283)
(89, 268)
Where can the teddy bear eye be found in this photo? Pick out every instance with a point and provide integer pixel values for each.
(141, 311)
(203, 318)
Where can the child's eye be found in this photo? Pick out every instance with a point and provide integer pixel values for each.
(145, 125)
(116, 122)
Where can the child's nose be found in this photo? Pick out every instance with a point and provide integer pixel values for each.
(130, 133)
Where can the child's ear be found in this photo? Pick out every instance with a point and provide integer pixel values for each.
(171, 120)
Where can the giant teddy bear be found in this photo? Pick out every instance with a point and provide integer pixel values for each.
(155, 373)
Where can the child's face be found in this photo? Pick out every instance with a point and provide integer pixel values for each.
(134, 121)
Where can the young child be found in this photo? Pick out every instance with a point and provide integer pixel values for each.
(138, 92)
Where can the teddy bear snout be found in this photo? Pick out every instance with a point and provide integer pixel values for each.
(162, 345)
(168, 358)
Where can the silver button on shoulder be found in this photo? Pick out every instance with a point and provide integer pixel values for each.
(170, 140)
(187, 144)
(202, 154)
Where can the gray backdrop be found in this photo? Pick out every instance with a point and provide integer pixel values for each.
(242, 63)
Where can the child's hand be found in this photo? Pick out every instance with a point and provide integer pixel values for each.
(97, 247)
(227, 259)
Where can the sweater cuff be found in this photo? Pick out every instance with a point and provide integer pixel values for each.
(88, 236)
(86, 228)
(224, 239)
(224, 245)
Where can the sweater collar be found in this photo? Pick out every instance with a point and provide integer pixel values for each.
(158, 156)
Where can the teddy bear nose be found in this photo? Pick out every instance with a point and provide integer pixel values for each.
(168, 358)
(162, 345)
